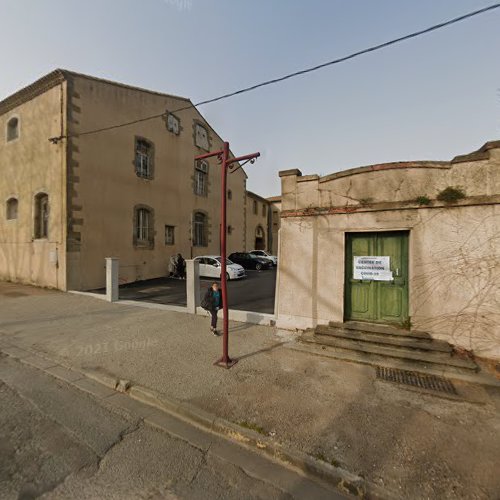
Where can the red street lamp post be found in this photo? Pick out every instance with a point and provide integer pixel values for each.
(226, 162)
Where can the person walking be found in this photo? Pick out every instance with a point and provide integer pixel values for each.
(172, 266)
(181, 267)
(212, 302)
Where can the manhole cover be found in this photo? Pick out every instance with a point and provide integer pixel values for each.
(416, 379)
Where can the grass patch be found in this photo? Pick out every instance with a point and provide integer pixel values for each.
(406, 324)
(451, 194)
(423, 200)
(331, 461)
(253, 427)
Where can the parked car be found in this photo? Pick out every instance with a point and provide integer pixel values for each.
(264, 255)
(249, 261)
(210, 266)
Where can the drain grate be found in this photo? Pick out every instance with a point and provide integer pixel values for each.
(416, 379)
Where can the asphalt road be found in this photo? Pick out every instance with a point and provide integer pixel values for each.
(254, 293)
(57, 442)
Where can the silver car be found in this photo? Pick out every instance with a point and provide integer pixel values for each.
(264, 255)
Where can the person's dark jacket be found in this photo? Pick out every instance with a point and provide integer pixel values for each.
(208, 301)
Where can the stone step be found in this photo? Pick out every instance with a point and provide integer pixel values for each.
(384, 339)
(376, 360)
(404, 353)
(378, 328)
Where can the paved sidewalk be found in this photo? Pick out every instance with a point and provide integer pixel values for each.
(415, 445)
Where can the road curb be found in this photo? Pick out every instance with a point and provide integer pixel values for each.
(338, 477)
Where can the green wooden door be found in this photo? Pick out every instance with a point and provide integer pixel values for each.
(386, 300)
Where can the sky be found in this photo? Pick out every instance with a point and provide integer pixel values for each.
(432, 97)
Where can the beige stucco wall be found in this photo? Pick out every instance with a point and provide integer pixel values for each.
(454, 250)
(30, 165)
(254, 220)
(105, 188)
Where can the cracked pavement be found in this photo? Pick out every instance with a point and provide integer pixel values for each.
(57, 442)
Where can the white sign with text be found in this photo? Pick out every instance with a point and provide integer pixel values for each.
(372, 268)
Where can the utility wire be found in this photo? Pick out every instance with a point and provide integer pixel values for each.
(296, 73)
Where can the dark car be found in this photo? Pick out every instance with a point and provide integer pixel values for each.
(249, 261)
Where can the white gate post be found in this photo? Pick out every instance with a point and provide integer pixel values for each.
(112, 266)
(192, 285)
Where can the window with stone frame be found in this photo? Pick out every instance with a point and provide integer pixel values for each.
(255, 207)
(201, 178)
(200, 230)
(12, 129)
(169, 235)
(143, 226)
(41, 229)
(12, 206)
(201, 137)
(173, 124)
(144, 158)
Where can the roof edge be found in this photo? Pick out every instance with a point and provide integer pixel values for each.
(386, 166)
(32, 90)
(483, 153)
(255, 195)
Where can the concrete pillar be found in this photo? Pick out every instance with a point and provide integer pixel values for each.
(192, 285)
(112, 266)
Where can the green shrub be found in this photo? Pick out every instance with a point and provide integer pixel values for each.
(451, 194)
(423, 200)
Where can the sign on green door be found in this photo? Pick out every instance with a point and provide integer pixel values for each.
(376, 277)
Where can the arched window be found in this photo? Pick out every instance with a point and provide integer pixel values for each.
(12, 204)
(41, 216)
(12, 129)
(199, 229)
(143, 226)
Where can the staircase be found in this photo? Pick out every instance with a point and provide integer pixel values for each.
(385, 345)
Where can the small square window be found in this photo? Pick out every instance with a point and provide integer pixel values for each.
(201, 137)
(169, 235)
(173, 124)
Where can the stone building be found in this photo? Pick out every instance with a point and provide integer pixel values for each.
(414, 244)
(274, 223)
(257, 222)
(133, 192)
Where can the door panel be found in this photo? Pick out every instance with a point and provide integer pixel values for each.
(378, 301)
(361, 299)
(361, 294)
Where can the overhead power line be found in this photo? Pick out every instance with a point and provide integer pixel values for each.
(296, 73)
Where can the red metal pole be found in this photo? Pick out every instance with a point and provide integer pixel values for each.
(225, 361)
